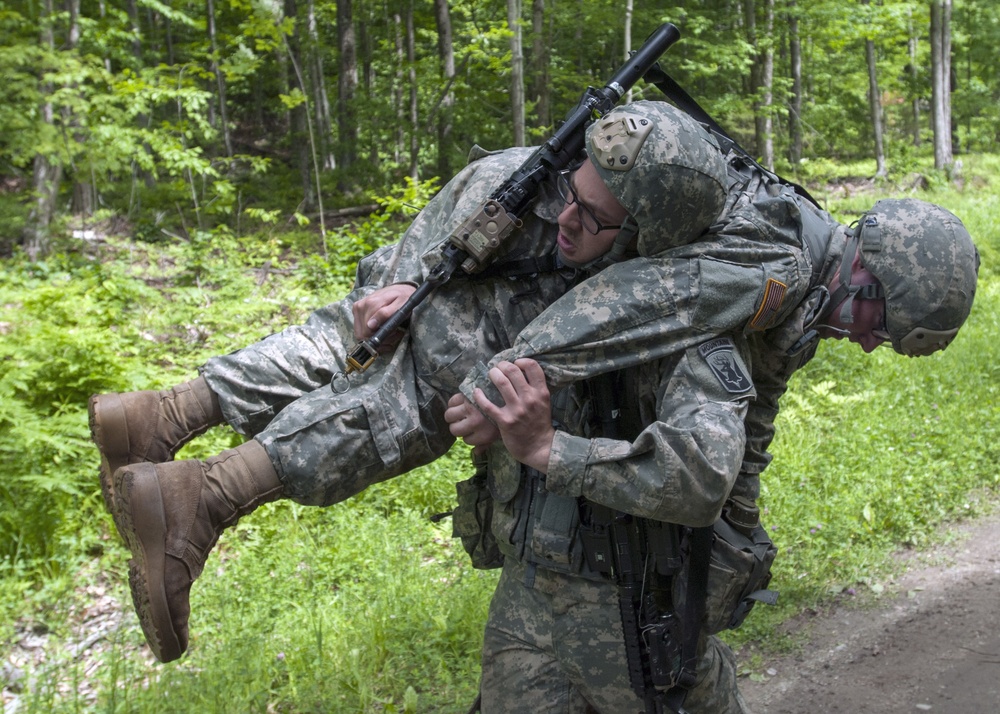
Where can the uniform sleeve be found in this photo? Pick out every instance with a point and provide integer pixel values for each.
(646, 309)
(775, 356)
(682, 466)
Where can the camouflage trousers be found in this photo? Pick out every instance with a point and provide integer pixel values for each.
(328, 445)
(557, 646)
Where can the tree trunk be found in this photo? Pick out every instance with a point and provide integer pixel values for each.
(446, 55)
(368, 81)
(170, 42)
(298, 129)
(765, 119)
(516, 71)
(761, 79)
(103, 13)
(795, 103)
(46, 174)
(875, 104)
(133, 15)
(397, 91)
(411, 61)
(753, 81)
(347, 85)
(540, 91)
(320, 100)
(84, 191)
(141, 120)
(949, 77)
(220, 81)
(940, 77)
(914, 82)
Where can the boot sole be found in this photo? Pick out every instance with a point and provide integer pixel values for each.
(109, 431)
(139, 501)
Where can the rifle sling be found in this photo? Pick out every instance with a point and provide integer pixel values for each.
(686, 103)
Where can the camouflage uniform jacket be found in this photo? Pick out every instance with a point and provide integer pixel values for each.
(679, 469)
(762, 259)
(689, 410)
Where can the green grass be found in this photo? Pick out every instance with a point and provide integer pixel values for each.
(335, 610)
(368, 606)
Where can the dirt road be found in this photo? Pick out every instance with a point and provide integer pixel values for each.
(933, 645)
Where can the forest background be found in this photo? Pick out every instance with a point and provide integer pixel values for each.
(178, 179)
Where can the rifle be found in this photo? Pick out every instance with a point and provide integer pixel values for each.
(472, 245)
(661, 647)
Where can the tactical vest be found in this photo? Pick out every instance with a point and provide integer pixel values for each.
(559, 533)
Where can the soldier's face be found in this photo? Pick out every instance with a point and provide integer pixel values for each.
(589, 207)
(868, 327)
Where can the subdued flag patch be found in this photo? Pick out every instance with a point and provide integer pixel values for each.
(774, 293)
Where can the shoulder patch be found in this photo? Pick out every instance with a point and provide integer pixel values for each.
(774, 294)
(718, 355)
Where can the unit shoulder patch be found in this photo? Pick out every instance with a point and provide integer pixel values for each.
(720, 356)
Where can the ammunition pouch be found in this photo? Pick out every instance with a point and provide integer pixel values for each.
(655, 539)
(739, 571)
(471, 519)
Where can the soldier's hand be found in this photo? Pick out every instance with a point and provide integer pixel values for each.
(525, 420)
(374, 309)
(468, 423)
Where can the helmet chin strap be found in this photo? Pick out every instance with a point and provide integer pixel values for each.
(846, 292)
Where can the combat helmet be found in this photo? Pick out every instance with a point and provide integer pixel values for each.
(926, 264)
(664, 168)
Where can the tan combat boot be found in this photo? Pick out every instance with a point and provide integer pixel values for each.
(137, 427)
(171, 515)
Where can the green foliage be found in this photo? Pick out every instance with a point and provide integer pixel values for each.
(13, 216)
(312, 610)
(382, 228)
(131, 106)
(78, 324)
(368, 606)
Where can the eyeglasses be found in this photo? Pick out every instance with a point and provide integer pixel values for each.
(587, 218)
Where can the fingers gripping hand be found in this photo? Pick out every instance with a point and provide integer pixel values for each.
(525, 420)
(469, 424)
(374, 309)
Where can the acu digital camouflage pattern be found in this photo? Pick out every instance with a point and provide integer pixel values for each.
(327, 446)
(926, 262)
(684, 450)
(675, 186)
(554, 637)
(682, 464)
(559, 647)
(766, 253)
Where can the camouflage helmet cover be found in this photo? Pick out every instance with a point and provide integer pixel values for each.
(927, 265)
(665, 170)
